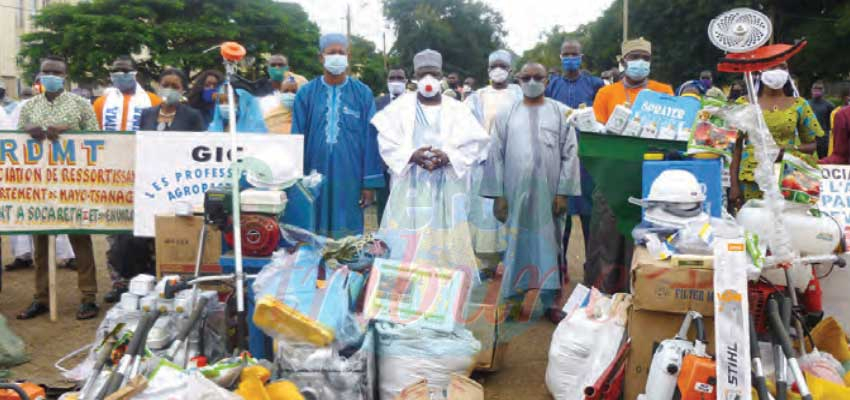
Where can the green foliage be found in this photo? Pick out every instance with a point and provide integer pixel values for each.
(367, 64)
(681, 49)
(169, 33)
(465, 32)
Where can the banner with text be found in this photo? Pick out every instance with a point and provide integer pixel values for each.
(81, 183)
(179, 167)
(835, 194)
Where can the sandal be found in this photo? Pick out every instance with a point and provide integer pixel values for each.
(87, 311)
(35, 309)
(114, 295)
(19, 263)
(555, 315)
(70, 264)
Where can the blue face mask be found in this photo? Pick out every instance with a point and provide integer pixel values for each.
(207, 95)
(52, 83)
(637, 69)
(124, 81)
(336, 63)
(287, 99)
(571, 63)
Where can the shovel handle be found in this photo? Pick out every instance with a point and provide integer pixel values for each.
(759, 382)
(193, 318)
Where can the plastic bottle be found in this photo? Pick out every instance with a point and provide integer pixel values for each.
(633, 128)
(619, 119)
(649, 131)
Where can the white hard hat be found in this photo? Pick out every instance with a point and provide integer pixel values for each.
(676, 186)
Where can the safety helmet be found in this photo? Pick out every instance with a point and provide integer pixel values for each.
(676, 186)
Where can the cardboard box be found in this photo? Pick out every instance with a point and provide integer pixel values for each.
(177, 246)
(659, 286)
(485, 322)
(647, 329)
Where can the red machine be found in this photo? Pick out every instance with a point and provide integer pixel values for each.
(260, 235)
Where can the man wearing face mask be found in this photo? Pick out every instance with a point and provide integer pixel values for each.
(332, 112)
(396, 83)
(47, 116)
(706, 79)
(468, 87)
(609, 253)
(573, 89)
(636, 60)
(531, 169)
(120, 107)
(486, 103)
(278, 71)
(430, 143)
(823, 109)
(396, 86)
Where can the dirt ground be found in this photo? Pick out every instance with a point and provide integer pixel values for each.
(521, 377)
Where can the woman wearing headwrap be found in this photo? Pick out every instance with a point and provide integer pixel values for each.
(203, 90)
(249, 116)
(791, 122)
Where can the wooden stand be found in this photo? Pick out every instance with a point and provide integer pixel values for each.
(51, 275)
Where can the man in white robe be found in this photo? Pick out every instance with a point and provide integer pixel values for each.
(531, 169)
(488, 236)
(430, 143)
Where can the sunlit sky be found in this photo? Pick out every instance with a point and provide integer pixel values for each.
(524, 20)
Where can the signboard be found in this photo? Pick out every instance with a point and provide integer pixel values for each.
(81, 183)
(835, 200)
(411, 294)
(835, 194)
(660, 116)
(179, 167)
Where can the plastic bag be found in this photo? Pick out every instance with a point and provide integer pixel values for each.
(325, 373)
(13, 350)
(694, 238)
(824, 366)
(169, 382)
(748, 118)
(408, 354)
(799, 181)
(115, 316)
(584, 344)
(292, 279)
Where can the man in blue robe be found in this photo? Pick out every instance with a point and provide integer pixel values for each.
(333, 113)
(531, 169)
(576, 88)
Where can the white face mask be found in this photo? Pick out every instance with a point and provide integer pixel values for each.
(395, 87)
(428, 86)
(775, 78)
(498, 75)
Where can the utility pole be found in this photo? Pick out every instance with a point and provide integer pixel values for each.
(348, 22)
(386, 66)
(625, 20)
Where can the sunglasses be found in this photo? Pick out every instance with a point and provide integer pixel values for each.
(527, 78)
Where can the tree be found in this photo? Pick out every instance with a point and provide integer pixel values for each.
(465, 32)
(168, 33)
(367, 64)
(681, 49)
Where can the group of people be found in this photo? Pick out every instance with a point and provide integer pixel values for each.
(463, 178)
